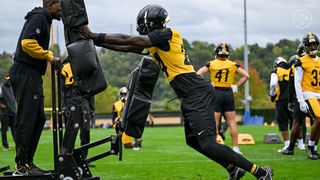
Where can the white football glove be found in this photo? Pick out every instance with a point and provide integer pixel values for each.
(234, 88)
(303, 106)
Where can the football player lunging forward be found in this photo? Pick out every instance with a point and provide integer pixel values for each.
(165, 45)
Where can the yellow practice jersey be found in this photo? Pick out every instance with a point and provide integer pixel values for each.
(222, 72)
(311, 76)
(67, 74)
(169, 53)
(117, 107)
(296, 58)
(283, 74)
(292, 71)
(283, 81)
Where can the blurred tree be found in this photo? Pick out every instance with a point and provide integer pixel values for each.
(200, 53)
(118, 67)
(104, 101)
(5, 63)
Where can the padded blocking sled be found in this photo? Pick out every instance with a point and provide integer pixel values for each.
(73, 15)
(84, 53)
(86, 68)
(141, 85)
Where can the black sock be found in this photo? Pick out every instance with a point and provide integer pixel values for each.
(259, 172)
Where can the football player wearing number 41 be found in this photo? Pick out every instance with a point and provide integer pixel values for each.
(165, 45)
(222, 72)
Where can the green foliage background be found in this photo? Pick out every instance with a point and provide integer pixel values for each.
(118, 66)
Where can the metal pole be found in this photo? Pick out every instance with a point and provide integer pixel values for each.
(60, 123)
(131, 28)
(54, 117)
(58, 40)
(246, 64)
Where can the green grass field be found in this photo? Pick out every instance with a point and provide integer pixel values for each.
(166, 156)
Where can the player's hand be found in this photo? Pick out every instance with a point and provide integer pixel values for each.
(56, 62)
(234, 88)
(3, 106)
(291, 106)
(303, 106)
(85, 31)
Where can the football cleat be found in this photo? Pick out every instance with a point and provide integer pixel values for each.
(317, 154)
(269, 174)
(280, 150)
(287, 151)
(237, 174)
(311, 153)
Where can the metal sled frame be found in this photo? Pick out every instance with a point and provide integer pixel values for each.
(68, 162)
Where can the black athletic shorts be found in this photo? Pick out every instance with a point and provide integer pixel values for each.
(197, 104)
(224, 100)
(284, 116)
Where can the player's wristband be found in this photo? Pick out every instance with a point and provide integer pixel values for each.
(101, 37)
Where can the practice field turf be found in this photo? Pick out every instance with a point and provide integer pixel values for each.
(165, 156)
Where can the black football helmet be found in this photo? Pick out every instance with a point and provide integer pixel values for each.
(222, 50)
(150, 18)
(293, 59)
(278, 61)
(123, 93)
(308, 39)
(300, 50)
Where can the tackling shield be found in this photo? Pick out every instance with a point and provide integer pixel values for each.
(83, 56)
(86, 68)
(74, 13)
(141, 85)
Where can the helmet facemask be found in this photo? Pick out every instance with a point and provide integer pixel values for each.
(312, 49)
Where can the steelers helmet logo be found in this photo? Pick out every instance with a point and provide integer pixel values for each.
(311, 37)
(38, 31)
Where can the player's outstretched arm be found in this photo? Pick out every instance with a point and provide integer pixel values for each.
(118, 42)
